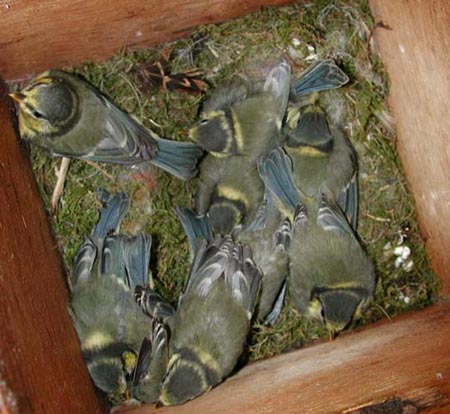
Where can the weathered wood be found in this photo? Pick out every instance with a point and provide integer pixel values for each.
(396, 365)
(37, 35)
(415, 52)
(41, 369)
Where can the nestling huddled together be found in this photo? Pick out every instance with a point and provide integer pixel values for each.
(274, 224)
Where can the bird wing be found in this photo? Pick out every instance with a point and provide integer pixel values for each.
(278, 83)
(275, 170)
(115, 206)
(321, 76)
(243, 278)
(153, 304)
(152, 361)
(84, 262)
(123, 139)
(331, 218)
(209, 265)
(348, 200)
(196, 227)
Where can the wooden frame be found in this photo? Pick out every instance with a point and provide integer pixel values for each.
(400, 367)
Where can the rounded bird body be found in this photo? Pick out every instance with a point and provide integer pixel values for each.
(268, 237)
(68, 117)
(239, 123)
(324, 161)
(109, 323)
(210, 327)
(229, 190)
(246, 127)
(330, 275)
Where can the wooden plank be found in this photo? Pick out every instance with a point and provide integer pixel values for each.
(401, 365)
(37, 35)
(415, 52)
(41, 368)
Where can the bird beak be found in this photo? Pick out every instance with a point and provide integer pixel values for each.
(18, 97)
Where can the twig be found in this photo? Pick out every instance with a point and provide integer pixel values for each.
(61, 179)
(96, 166)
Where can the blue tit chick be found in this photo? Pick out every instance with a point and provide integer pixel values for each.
(330, 276)
(109, 323)
(210, 327)
(68, 117)
(324, 160)
(268, 236)
(238, 123)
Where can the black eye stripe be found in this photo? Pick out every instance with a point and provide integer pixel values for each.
(33, 111)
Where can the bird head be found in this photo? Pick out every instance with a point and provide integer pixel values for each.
(214, 132)
(48, 105)
(309, 130)
(338, 308)
(185, 379)
(108, 375)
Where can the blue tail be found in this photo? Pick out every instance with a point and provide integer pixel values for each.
(321, 76)
(111, 215)
(275, 170)
(196, 227)
(99, 249)
(136, 254)
(177, 158)
(278, 82)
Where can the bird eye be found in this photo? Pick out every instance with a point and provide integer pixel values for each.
(37, 114)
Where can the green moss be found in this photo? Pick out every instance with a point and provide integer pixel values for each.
(246, 47)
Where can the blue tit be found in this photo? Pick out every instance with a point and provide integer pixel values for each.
(109, 323)
(229, 191)
(244, 118)
(330, 276)
(68, 117)
(324, 160)
(210, 327)
(238, 123)
(268, 236)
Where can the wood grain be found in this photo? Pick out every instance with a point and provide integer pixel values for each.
(415, 52)
(41, 368)
(37, 35)
(396, 365)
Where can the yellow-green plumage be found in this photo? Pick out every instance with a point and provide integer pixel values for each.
(230, 190)
(268, 236)
(323, 260)
(210, 327)
(324, 161)
(109, 323)
(238, 123)
(330, 276)
(68, 117)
